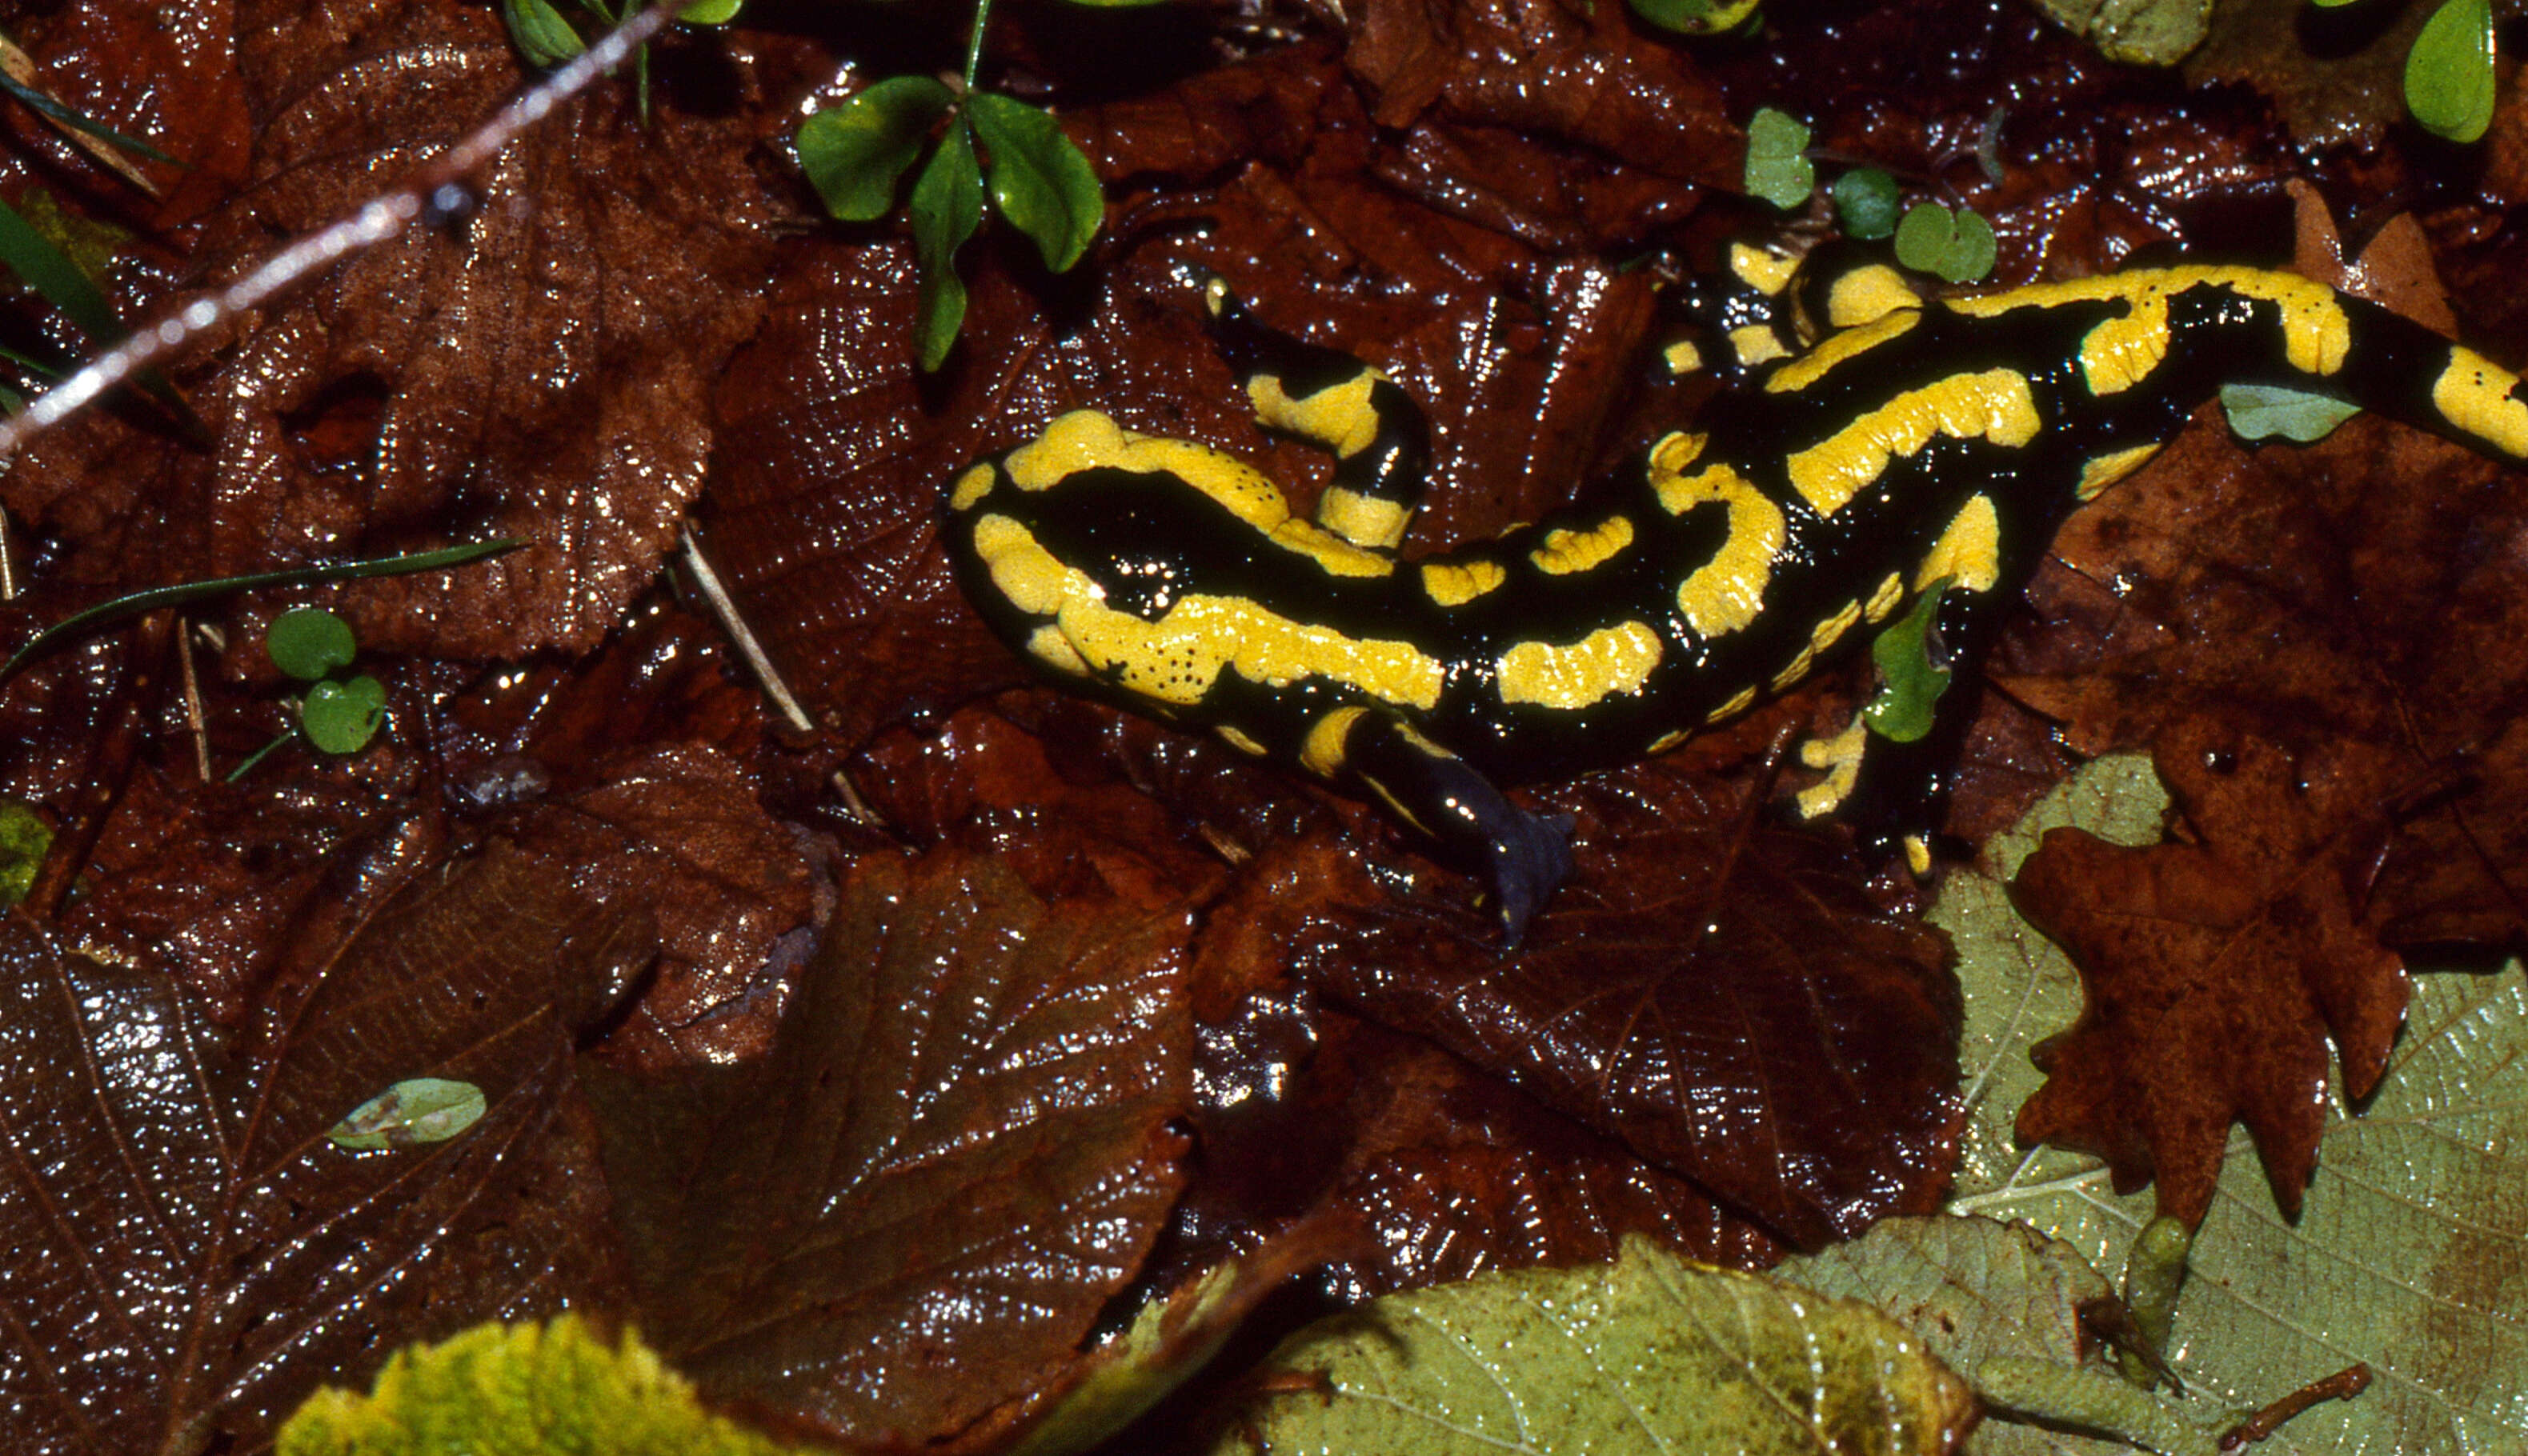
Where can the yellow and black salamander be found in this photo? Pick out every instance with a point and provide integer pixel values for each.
(1938, 443)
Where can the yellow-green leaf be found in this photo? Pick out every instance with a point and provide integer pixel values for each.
(1651, 1353)
(2135, 33)
(554, 1390)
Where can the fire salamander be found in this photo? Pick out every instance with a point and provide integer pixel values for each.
(1918, 444)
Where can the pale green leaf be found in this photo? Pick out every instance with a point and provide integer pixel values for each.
(410, 1114)
(853, 153)
(1776, 169)
(554, 1390)
(947, 207)
(309, 642)
(1040, 182)
(24, 837)
(711, 12)
(2262, 411)
(1651, 1353)
(2001, 1303)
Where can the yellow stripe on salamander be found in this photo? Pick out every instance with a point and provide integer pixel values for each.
(1570, 552)
(1337, 417)
(2474, 394)
(2122, 352)
(1608, 662)
(1177, 659)
(1726, 592)
(1456, 583)
(1995, 404)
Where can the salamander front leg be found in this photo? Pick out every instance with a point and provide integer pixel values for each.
(1463, 820)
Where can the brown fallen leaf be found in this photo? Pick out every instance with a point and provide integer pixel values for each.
(184, 1256)
(910, 1212)
(540, 373)
(2216, 971)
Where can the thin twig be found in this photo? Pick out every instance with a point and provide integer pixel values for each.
(758, 661)
(434, 183)
(2344, 1384)
(194, 700)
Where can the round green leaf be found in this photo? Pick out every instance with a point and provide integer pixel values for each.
(1864, 203)
(1971, 255)
(2449, 74)
(1775, 169)
(853, 152)
(1696, 16)
(309, 642)
(342, 716)
(1926, 235)
(420, 1109)
(2261, 411)
(540, 32)
(947, 207)
(711, 12)
(1039, 181)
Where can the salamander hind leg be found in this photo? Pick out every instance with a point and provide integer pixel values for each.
(1462, 819)
(1376, 433)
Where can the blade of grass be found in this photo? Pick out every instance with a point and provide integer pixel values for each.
(157, 597)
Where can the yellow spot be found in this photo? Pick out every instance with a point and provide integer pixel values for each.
(1608, 662)
(1968, 551)
(1868, 294)
(1363, 520)
(1835, 348)
(1993, 405)
(1049, 647)
(1683, 357)
(1728, 592)
(1239, 741)
(1756, 343)
(1918, 855)
(1336, 556)
(1736, 704)
(1456, 583)
(2474, 394)
(1676, 450)
(1215, 294)
(973, 486)
(2105, 470)
(1321, 753)
(1394, 806)
(1667, 741)
(1840, 756)
(1885, 599)
(1569, 553)
(1761, 268)
(1830, 631)
(1177, 659)
(2120, 353)
(1338, 416)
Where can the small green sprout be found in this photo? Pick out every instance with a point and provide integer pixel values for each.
(338, 714)
(1777, 166)
(24, 838)
(1864, 203)
(992, 145)
(1954, 246)
(544, 37)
